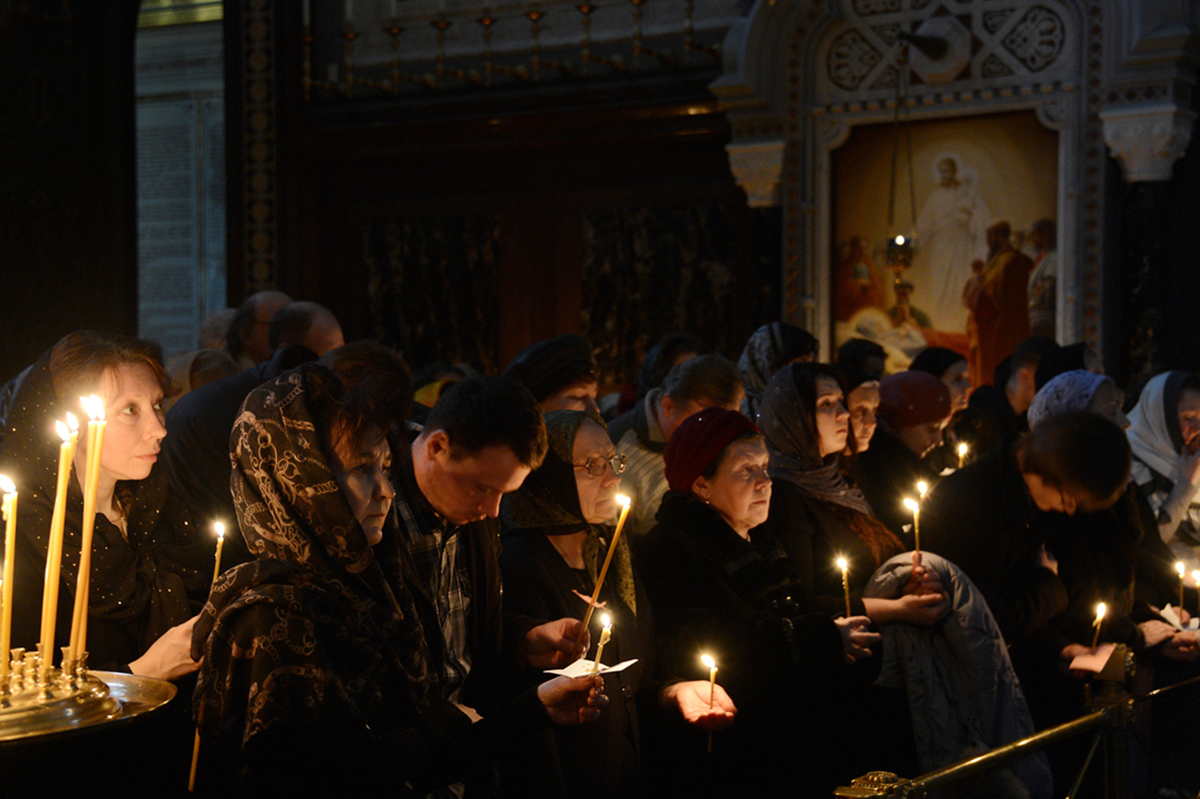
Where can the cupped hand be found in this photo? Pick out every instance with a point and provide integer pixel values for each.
(856, 639)
(170, 657)
(692, 700)
(552, 645)
(1155, 632)
(1183, 646)
(1068, 654)
(573, 700)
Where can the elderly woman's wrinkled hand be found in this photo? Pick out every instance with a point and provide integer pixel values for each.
(856, 638)
(692, 700)
(573, 700)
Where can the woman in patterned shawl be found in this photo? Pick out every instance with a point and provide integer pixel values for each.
(315, 673)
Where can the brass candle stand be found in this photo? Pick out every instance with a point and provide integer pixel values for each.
(70, 697)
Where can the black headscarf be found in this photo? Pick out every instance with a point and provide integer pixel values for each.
(140, 584)
(547, 503)
(322, 623)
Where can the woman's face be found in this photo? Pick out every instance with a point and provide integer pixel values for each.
(958, 379)
(578, 396)
(597, 495)
(362, 476)
(134, 433)
(862, 404)
(740, 490)
(1189, 419)
(833, 420)
(1107, 401)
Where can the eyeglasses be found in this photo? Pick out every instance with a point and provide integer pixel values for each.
(595, 466)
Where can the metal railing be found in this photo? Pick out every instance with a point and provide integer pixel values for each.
(1113, 725)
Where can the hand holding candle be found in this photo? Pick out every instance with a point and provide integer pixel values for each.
(612, 548)
(605, 635)
(1100, 611)
(844, 565)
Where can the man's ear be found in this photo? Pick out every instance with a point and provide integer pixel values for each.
(437, 443)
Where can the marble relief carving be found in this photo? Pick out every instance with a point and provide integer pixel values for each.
(1037, 38)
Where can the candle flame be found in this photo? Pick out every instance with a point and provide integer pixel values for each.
(708, 661)
(1101, 609)
(220, 528)
(922, 488)
(1179, 567)
(1196, 577)
(843, 564)
(93, 406)
(911, 504)
(62, 430)
(900, 240)
(623, 500)
(962, 449)
(7, 486)
(606, 620)
(72, 422)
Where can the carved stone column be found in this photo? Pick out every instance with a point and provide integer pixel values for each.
(1147, 140)
(757, 167)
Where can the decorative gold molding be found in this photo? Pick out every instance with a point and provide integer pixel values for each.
(260, 150)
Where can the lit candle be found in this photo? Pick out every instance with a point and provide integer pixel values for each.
(612, 548)
(915, 507)
(220, 528)
(94, 407)
(70, 436)
(962, 454)
(900, 240)
(712, 687)
(605, 635)
(845, 567)
(1196, 580)
(8, 509)
(1100, 610)
(1179, 567)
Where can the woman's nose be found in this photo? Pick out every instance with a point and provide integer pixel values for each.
(383, 488)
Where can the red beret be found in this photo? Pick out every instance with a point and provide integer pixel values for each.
(907, 399)
(698, 441)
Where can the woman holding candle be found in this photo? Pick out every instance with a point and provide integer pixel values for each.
(816, 514)
(717, 590)
(148, 575)
(316, 676)
(555, 541)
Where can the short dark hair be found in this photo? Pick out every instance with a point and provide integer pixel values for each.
(660, 359)
(488, 411)
(242, 321)
(1078, 448)
(377, 389)
(705, 377)
(1031, 351)
(291, 323)
(855, 352)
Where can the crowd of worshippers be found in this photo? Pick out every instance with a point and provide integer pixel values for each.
(408, 558)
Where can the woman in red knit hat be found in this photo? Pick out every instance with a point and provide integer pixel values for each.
(717, 592)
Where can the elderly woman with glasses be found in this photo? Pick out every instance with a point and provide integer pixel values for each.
(555, 543)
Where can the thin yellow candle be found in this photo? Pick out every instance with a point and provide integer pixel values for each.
(94, 406)
(9, 511)
(915, 507)
(66, 454)
(845, 567)
(1179, 567)
(712, 687)
(220, 530)
(1100, 611)
(612, 548)
(1196, 580)
(605, 635)
(962, 454)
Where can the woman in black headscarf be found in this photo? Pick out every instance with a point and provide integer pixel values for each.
(315, 676)
(151, 564)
